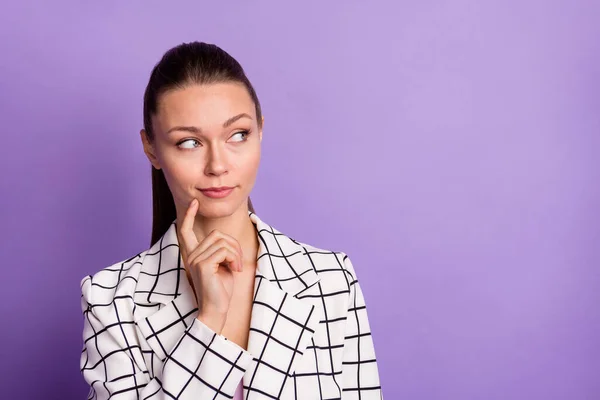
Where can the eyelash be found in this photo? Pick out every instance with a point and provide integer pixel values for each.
(245, 133)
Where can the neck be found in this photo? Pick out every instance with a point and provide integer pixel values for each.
(237, 225)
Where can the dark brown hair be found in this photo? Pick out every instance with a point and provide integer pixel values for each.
(183, 65)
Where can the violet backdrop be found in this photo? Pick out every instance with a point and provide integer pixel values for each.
(450, 148)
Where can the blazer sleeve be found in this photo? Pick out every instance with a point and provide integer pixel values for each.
(202, 364)
(360, 374)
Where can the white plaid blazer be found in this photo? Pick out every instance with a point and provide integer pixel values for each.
(309, 332)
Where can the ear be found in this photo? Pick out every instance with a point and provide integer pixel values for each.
(149, 149)
(262, 124)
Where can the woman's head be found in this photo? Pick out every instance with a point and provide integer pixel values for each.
(202, 128)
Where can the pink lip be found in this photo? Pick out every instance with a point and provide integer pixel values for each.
(217, 194)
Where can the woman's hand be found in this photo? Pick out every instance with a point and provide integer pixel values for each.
(210, 265)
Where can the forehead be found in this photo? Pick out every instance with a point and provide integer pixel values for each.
(203, 105)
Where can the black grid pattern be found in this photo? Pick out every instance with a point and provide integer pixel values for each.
(309, 332)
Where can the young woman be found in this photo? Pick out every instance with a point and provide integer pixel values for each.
(222, 305)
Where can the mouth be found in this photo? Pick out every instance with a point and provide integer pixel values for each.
(217, 193)
(217, 189)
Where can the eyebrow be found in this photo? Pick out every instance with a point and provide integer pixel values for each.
(195, 129)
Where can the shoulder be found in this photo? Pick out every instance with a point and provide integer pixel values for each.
(329, 263)
(102, 286)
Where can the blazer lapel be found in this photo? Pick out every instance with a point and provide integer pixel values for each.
(281, 325)
(164, 299)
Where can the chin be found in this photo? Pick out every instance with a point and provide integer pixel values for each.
(217, 209)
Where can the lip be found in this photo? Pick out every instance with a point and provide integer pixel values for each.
(217, 193)
(218, 189)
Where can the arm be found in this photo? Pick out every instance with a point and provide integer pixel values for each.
(360, 375)
(201, 364)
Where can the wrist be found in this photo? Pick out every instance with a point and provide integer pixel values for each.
(213, 321)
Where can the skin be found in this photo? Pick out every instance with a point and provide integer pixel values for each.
(195, 150)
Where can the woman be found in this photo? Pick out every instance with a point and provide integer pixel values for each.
(222, 304)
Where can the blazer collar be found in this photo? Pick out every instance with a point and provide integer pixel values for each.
(280, 259)
(284, 272)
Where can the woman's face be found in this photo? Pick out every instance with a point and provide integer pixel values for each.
(206, 136)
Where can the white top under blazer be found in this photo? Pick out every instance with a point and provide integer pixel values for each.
(309, 332)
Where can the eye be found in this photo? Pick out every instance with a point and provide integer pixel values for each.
(244, 135)
(180, 144)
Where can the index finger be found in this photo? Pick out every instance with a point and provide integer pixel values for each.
(190, 241)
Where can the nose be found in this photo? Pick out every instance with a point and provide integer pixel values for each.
(216, 162)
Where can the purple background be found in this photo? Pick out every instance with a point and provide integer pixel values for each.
(450, 148)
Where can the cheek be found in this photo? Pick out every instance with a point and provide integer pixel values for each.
(180, 176)
(248, 165)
